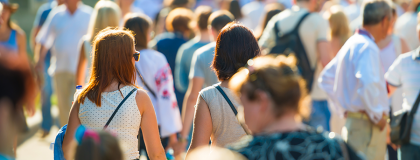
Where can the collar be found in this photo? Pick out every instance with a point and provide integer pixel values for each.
(361, 31)
(416, 54)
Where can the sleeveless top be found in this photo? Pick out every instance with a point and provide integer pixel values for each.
(11, 43)
(125, 124)
(226, 128)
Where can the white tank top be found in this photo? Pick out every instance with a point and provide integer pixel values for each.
(125, 124)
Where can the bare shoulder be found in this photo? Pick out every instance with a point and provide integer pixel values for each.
(141, 95)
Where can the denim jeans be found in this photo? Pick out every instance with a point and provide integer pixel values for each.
(320, 115)
(47, 91)
(409, 152)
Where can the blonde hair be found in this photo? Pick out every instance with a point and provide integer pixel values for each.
(278, 77)
(339, 24)
(105, 14)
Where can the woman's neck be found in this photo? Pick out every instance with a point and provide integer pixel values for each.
(113, 86)
(286, 123)
(225, 83)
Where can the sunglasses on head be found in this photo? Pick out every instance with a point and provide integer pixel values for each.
(136, 56)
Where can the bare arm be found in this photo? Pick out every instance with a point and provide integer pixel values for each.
(39, 57)
(73, 123)
(150, 127)
(81, 67)
(324, 51)
(202, 126)
(391, 90)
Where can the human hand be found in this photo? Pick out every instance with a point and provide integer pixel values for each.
(180, 148)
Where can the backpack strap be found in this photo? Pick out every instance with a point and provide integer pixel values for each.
(119, 106)
(295, 29)
(301, 20)
(231, 105)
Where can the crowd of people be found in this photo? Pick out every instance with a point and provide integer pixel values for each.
(214, 79)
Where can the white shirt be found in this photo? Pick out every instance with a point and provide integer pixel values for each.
(253, 13)
(405, 73)
(150, 7)
(157, 74)
(354, 78)
(405, 27)
(62, 33)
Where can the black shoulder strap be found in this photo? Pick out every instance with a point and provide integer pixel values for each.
(144, 83)
(416, 105)
(119, 106)
(231, 106)
(227, 99)
(301, 20)
(277, 28)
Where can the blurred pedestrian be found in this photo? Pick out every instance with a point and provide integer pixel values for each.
(154, 75)
(61, 33)
(269, 12)
(47, 90)
(404, 74)
(391, 47)
(105, 14)
(127, 7)
(354, 81)
(186, 51)
(339, 28)
(406, 24)
(201, 74)
(178, 24)
(215, 114)
(111, 84)
(308, 41)
(168, 6)
(150, 8)
(274, 100)
(253, 12)
(97, 145)
(233, 7)
(17, 90)
(12, 37)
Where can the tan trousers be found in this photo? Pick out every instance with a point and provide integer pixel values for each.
(64, 85)
(366, 137)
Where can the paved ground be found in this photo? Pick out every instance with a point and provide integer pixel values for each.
(31, 146)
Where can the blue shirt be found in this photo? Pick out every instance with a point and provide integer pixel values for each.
(201, 62)
(168, 44)
(183, 63)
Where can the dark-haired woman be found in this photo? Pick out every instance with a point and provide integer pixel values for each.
(214, 118)
(156, 78)
(113, 79)
(274, 100)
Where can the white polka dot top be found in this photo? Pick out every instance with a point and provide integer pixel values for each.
(125, 124)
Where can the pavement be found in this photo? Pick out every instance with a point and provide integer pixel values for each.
(31, 145)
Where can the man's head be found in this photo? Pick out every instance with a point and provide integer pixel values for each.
(217, 21)
(311, 5)
(377, 15)
(202, 14)
(179, 20)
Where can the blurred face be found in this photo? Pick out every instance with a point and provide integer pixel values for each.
(71, 3)
(257, 113)
(384, 28)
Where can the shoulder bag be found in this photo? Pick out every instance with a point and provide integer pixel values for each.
(401, 124)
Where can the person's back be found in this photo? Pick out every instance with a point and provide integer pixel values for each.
(168, 43)
(311, 47)
(226, 128)
(126, 123)
(201, 62)
(186, 51)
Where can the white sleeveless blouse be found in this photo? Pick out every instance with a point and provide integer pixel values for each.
(125, 124)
